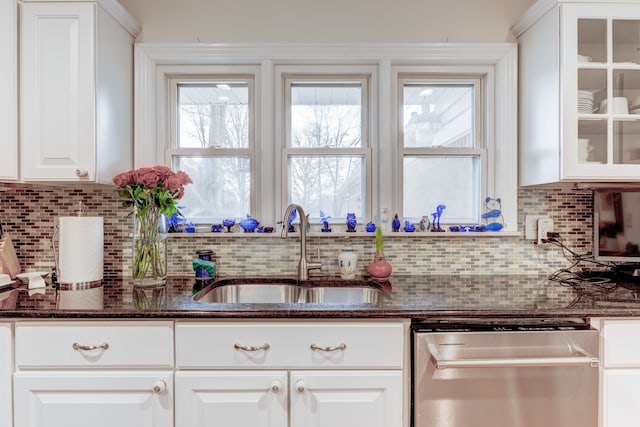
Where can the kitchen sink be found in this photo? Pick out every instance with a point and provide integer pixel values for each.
(345, 295)
(269, 290)
(251, 291)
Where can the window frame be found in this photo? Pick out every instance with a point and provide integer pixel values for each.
(480, 79)
(216, 74)
(284, 76)
(152, 62)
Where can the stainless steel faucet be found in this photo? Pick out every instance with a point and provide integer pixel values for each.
(303, 265)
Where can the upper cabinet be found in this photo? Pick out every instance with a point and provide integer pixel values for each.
(76, 90)
(8, 90)
(579, 94)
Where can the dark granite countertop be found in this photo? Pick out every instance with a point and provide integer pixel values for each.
(410, 297)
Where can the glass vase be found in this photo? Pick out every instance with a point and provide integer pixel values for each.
(149, 264)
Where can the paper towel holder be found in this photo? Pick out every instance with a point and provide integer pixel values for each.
(71, 286)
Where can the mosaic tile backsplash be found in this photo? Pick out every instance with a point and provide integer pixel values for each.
(28, 213)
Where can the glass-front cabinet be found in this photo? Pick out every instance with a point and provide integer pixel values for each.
(592, 110)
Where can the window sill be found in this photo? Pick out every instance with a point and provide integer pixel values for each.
(400, 234)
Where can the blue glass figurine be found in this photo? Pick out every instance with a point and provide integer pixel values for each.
(493, 217)
(249, 224)
(216, 228)
(351, 222)
(435, 225)
(176, 223)
(408, 227)
(325, 222)
(370, 227)
(395, 224)
(292, 216)
(228, 223)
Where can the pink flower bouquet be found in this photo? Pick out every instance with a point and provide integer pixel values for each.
(152, 192)
(157, 186)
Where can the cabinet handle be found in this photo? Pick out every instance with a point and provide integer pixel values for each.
(300, 386)
(159, 387)
(76, 346)
(276, 386)
(264, 346)
(342, 346)
(82, 173)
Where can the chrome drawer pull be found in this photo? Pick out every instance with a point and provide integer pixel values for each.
(264, 346)
(342, 346)
(76, 346)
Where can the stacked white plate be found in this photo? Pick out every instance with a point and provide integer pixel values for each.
(585, 102)
(584, 148)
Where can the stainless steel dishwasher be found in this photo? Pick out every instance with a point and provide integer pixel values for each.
(504, 373)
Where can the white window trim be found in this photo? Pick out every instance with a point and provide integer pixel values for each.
(152, 60)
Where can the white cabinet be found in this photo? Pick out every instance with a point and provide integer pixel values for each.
(620, 373)
(76, 65)
(346, 398)
(6, 369)
(579, 92)
(8, 90)
(314, 374)
(94, 373)
(231, 398)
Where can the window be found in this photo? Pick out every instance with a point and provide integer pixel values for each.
(442, 147)
(213, 143)
(368, 129)
(326, 155)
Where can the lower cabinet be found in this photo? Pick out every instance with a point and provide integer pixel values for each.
(225, 373)
(290, 374)
(6, 369)
(93, 373)
(620, 372)
(346, 398)
(307, 398)
(230, 398)
(96, 399)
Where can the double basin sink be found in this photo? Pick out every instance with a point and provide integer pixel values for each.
(267, 290)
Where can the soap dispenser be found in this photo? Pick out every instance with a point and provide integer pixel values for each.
(348, 261)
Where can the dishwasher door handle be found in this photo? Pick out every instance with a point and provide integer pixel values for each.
(584, 359)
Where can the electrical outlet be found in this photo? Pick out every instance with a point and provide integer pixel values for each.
(545, 225)
(531, 226)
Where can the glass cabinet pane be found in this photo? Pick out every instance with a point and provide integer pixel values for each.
(592, 141)
(626, 87)
(592, 40)
(626, 142)
(626, 38)
(592, 90)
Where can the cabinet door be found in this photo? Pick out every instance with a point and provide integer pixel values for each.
(8, 90)
(602, 117)
(231, 399)
(96, 399)
(57, 80)
(6, 365)
(620, 398)
(346, 399)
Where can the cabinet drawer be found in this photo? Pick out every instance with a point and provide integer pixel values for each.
(117, 344)
(290, 345)
(621, 348)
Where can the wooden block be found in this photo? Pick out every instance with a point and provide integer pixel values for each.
(8, 258)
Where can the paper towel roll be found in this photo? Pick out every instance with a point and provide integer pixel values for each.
(80, 250)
